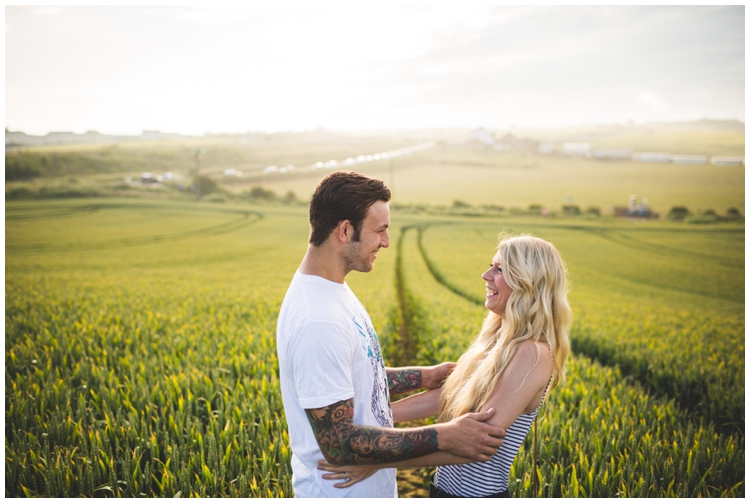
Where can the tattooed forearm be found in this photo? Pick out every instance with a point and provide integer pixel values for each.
(343, 442)
(402, 380)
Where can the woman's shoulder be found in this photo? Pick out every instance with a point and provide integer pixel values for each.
(527, 353)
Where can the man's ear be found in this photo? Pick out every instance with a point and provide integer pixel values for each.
(344, 231)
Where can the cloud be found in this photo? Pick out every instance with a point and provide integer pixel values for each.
(591, 63)
(650, 99)
(46, 10)
(379, 66)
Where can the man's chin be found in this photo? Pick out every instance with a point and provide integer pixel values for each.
(364, 267)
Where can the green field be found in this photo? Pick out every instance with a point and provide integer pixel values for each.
(140, 354)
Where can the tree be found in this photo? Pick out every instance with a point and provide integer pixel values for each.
(571, 209)
(205, 185)
(678, 213)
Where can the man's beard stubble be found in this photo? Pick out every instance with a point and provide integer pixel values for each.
(354, 259)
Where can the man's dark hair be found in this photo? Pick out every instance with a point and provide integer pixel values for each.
(343, 195)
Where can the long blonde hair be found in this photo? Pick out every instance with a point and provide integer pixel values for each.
(537, 310)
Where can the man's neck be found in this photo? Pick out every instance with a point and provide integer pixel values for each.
(323, 261)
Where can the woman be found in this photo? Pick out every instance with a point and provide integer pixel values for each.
(519, 355)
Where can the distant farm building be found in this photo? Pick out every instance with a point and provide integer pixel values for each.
(150, 178)
(657, 157)
(578, 149)
(510, 142)
(728, 161)
(635, 209)
(689, 159)
(613, 153)
(482, 136)
(546, 148)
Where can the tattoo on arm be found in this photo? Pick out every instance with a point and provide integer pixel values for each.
(402, 380)
(345, 443)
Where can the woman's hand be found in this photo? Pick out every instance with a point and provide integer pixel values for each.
(349, 474)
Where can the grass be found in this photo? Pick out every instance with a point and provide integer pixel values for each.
(139, 347)
(601, 434)
(664, 302)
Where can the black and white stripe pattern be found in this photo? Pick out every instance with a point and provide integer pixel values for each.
(475, 480)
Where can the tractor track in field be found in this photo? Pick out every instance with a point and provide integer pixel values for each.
(412, 482)
(246, 219)
(65, 211)
(407, 346)
(410, 311)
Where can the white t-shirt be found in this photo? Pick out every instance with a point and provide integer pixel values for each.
(328, 352)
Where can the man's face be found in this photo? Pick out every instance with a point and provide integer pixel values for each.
(360, 255)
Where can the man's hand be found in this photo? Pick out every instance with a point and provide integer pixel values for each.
(470, 436)
(348, 475)
(433, 377)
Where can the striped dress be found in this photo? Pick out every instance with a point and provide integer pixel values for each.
(475, 480)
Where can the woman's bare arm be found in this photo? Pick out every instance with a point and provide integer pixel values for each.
(417, 406)
(514, 394)
(521, 385)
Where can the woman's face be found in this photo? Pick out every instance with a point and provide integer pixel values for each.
(498, 291)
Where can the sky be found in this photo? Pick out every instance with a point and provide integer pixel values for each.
(230, 69)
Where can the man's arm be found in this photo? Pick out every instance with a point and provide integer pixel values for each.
(401, 380)
(343, 442)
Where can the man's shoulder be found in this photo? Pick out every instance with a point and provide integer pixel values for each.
(317, 300)
(304, 313)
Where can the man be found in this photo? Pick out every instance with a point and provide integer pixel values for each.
(335, 387)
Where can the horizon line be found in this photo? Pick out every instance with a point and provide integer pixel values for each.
(379, 129)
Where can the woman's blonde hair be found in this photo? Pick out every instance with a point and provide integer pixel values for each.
(537, 310)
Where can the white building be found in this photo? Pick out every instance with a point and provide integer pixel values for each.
(728, 161)
(652, 157)
(613, 153)
(483, 136)
(689, 159)
(582, 149)
(150, 178)
(546, 148)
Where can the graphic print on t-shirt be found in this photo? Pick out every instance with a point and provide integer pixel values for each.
(380, 399)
